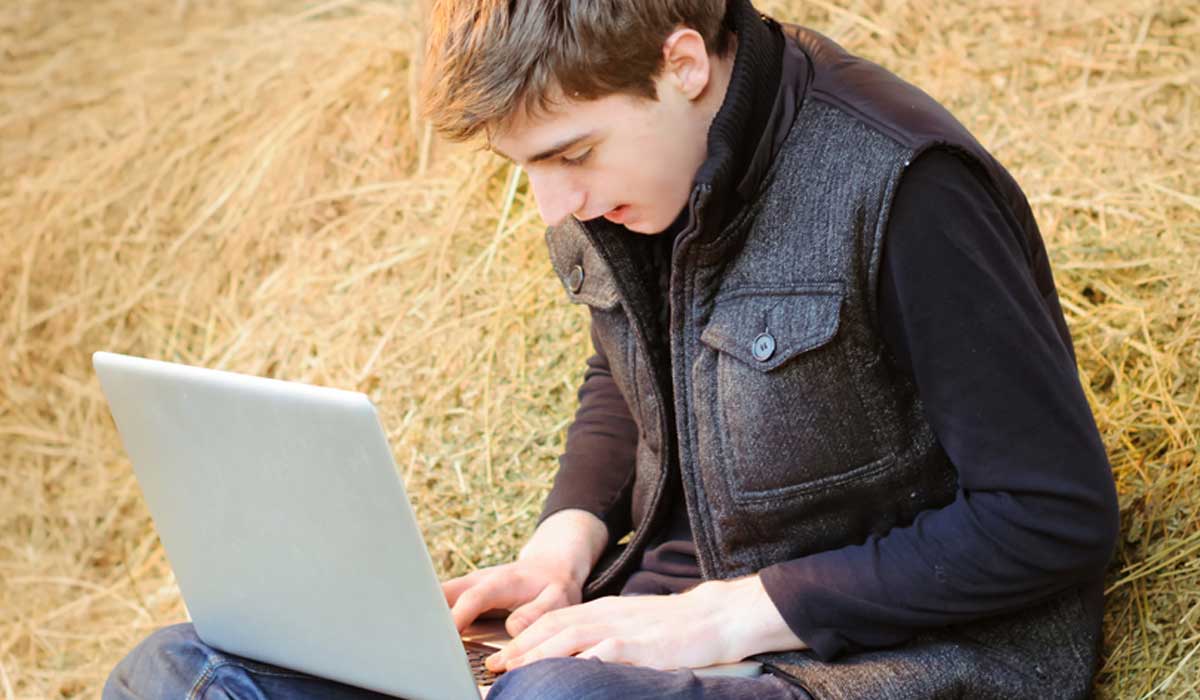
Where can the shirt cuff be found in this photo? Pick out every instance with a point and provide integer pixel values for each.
(575, 494)
(794, 598)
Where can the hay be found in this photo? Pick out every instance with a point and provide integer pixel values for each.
(245, 185)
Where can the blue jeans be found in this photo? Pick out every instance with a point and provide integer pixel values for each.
(173, 664)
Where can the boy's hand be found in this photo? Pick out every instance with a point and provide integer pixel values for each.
(548, 574)
(528, 587)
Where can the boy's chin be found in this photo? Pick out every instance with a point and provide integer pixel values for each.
(644, 228)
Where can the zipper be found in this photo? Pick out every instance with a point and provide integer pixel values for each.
(638, 327)
(700, 535)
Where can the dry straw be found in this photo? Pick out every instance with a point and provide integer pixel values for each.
(245, 185)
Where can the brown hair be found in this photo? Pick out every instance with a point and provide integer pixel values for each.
(486, 59)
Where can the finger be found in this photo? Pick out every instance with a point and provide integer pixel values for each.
(496, 591)
(612, 651)
(552, 597)
(567, 642)
(471, 603)
(453, 588)
(545, 627)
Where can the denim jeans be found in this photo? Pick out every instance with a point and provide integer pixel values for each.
(173, 664)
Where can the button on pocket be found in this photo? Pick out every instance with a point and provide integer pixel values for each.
(763, 347)
(767, 327)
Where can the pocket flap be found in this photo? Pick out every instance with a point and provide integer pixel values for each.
(584, 275)
(766, 327)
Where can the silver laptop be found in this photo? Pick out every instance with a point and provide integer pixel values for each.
(291, 536)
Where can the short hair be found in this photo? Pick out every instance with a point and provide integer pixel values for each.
(487, 59)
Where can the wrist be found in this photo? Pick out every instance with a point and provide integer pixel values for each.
(568, 542)
(752, 624)
(561, 566)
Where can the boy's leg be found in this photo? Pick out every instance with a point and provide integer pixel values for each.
(174, 663)
(590, 679)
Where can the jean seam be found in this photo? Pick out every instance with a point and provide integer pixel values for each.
(202, 682)
(213, 665)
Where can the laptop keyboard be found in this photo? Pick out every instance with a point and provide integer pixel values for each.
(476, 653)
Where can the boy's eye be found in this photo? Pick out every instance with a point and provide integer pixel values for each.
(577, 158)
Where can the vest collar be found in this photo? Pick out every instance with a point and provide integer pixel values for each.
(759, 107)
(738, 126)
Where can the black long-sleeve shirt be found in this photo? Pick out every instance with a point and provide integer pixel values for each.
(960, 314)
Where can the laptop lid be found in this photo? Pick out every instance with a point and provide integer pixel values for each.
(288, 527)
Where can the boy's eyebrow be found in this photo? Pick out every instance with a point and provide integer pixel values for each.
(553, 150)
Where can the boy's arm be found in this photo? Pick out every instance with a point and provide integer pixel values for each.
(962, 313)
(597, 466)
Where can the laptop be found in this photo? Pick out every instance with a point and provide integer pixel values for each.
(289, 530)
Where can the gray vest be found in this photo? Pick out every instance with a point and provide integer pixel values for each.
(788, 429)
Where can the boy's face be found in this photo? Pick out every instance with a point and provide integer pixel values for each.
(629, 159)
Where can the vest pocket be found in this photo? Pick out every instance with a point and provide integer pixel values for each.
(764, 328)
(788, 418)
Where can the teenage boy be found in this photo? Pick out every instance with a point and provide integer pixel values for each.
(833, 420)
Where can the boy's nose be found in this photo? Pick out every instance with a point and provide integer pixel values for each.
(556, 198)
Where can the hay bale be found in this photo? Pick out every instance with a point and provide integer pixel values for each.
(246, 185)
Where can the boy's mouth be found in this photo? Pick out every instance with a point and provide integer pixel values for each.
(617, 214)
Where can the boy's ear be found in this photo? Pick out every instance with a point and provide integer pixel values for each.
(686, 65)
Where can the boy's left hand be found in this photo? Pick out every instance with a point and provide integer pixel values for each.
(712, 623)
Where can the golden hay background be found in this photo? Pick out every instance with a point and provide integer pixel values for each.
(244, 184)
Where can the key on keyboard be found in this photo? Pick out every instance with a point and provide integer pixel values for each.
(476, 653)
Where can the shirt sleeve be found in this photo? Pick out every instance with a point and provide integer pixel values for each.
(961, 312)
(598, 464)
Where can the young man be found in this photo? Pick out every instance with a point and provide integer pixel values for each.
(833, 420)
(832, 380)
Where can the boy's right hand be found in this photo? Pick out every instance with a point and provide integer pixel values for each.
(529, 588)
(548, 574)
